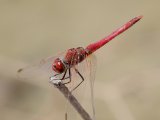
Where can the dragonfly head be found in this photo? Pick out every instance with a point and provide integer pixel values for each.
(58, 66)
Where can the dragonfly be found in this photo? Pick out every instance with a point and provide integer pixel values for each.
(61, 68)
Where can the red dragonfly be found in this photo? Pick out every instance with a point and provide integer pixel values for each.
(61, 68)
(75, 56)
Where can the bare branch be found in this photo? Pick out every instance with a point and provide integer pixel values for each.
(74, 102)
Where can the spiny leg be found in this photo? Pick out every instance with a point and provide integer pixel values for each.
(69, 76)
(63, 77)
(81, 78)
(57, 81)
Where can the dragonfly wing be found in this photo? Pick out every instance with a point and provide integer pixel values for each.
(84, 92)
(39, 70)
(91, 62)
(92, 65)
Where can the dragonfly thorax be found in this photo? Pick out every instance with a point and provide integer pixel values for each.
(75, 56)
(72, 57)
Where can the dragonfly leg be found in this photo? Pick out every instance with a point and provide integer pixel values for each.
(64, 75)
(81, 78)
(69, 77)
(58, 80)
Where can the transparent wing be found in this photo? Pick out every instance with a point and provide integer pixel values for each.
(92, 65)
(84, 92)
(39, 70)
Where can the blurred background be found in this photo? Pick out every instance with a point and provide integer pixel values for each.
(127, 81)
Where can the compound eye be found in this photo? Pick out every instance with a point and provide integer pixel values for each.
(58, 66)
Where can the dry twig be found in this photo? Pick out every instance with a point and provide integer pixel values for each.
(74, 102)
